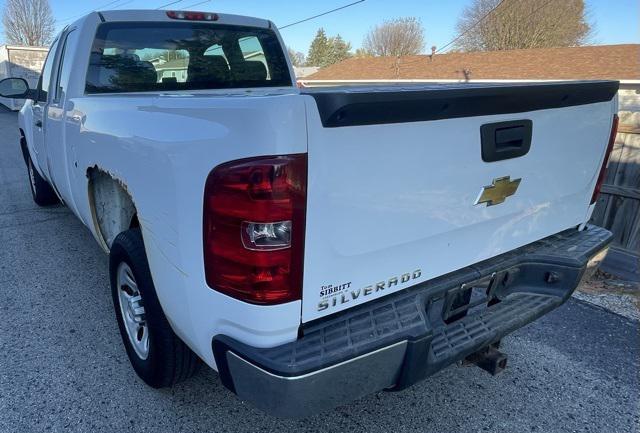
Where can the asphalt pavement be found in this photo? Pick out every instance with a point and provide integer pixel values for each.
(63, 366)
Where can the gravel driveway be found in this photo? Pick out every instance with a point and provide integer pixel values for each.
(63, 367)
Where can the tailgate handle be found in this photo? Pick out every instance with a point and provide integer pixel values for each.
(505, 140)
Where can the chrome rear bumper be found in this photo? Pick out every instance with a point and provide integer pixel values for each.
(330, 386)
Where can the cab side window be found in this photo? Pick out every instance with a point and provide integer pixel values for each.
(64, 65)
(47, 70)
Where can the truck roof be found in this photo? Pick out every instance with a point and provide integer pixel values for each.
(161, 15)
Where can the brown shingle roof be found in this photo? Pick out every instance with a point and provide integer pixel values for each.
(620, 62)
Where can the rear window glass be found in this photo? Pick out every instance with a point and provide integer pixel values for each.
(138, 57)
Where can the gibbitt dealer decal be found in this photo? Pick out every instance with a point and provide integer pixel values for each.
(338, 294)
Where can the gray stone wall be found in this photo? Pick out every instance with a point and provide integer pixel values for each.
(20, 62)
(26, 64)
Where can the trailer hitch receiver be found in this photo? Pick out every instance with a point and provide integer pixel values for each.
(489, 359)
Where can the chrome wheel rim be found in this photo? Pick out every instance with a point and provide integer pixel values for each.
(132, 311)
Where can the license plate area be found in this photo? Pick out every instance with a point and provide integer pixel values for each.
(474, 296)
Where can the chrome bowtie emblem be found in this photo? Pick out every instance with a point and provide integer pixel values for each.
(498, 191)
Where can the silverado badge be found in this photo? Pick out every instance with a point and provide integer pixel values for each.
(498, 191)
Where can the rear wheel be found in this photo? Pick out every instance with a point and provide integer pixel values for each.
(41, 191)
(156, 353)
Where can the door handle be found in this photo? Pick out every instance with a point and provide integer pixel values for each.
(39, 123)
(505, 140)
(510, 137)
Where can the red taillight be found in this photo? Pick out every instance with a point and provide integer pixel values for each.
(254, 222)
(603, 169)
(192, 16)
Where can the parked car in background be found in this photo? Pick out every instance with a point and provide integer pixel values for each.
(315, 245)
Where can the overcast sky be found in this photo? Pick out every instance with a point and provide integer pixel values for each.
(616, 21)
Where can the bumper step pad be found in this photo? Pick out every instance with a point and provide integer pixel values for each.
(452, 341)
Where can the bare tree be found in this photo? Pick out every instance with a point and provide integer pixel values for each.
(361, 52)
(28, 22)
(396, 37)
(297, 58)
(488, 25)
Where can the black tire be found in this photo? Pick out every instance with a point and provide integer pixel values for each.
(169, 360)
(41, 191)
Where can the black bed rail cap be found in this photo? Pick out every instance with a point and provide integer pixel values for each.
(373, 105)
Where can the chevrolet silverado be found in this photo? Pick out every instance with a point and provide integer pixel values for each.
(311, 245)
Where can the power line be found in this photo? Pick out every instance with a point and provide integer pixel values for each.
(125, 3)
(196, 4)
(462, 34)
(169, 4)
(91, 10)
(319, 15)
(485, 16)
(538, 8)
(471, 28)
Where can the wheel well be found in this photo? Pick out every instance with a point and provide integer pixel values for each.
(134, 222)
(23, 145)
(111, 204)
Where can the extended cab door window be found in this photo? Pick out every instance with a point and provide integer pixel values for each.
(148, 56)
(64, 66)
(47, 70)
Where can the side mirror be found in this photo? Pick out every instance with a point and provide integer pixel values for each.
(15, 88)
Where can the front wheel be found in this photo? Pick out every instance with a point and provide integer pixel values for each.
(156, 353)
(41, 191)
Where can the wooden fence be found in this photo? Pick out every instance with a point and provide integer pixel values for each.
(618, 208)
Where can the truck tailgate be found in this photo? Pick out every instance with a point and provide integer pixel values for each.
(400, 189)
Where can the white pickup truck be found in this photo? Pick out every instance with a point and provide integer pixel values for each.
(311, 245)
